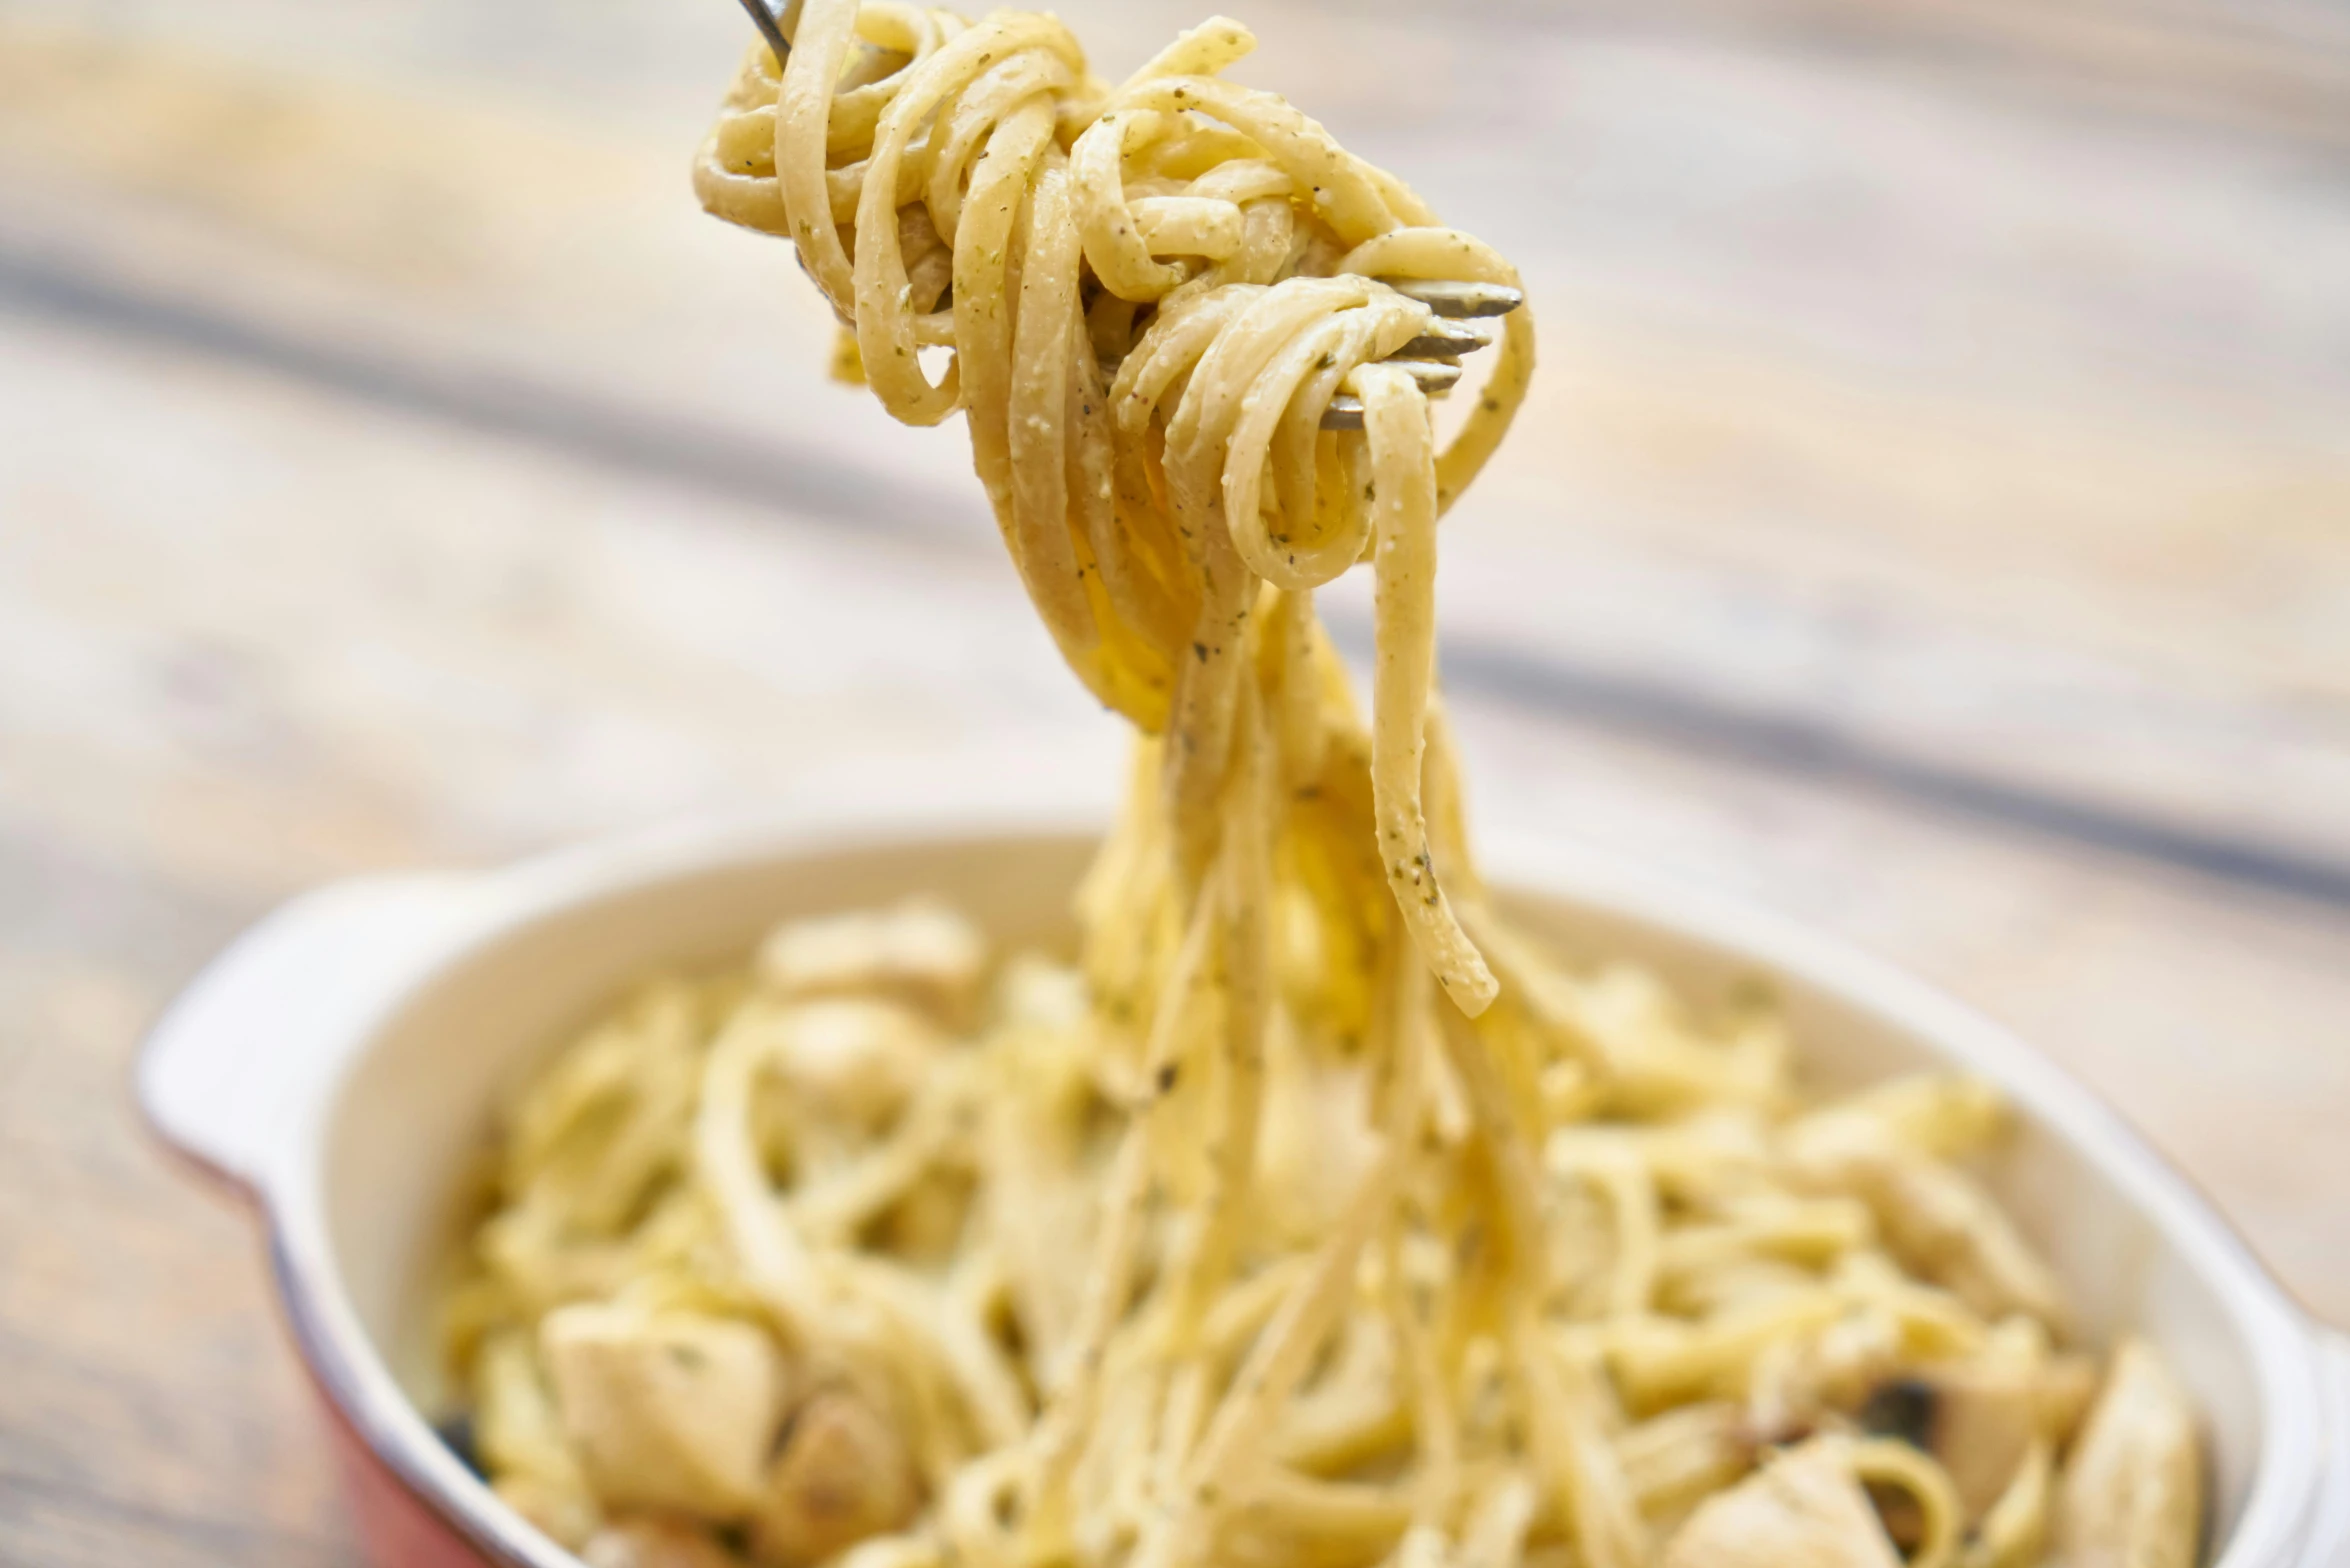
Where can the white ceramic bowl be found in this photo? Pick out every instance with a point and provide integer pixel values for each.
(339, 1062)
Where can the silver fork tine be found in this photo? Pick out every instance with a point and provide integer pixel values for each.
(1448, 340)
(1455, 298)
(1436, 376)
(769, 28)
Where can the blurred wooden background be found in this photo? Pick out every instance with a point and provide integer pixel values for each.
(1933, 519)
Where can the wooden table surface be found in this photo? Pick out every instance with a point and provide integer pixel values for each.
(1933, 519)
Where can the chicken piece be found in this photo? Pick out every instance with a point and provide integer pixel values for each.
(2131, 1495)
(920, 951)
(654, 1542)
(853, 1062)
(1804, 1508)
(1936, 1219)
(1977, 1418)
(842, 1476)
(668, 1410)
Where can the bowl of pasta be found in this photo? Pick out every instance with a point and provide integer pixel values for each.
(1270, 1179)
(503, 1128)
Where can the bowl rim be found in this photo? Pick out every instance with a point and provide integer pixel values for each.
(2278, 1339)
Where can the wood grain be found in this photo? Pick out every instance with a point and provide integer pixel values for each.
(396, 471)
(1846, 424)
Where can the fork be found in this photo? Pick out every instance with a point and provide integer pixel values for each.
(1463, 312)
(1461, 309)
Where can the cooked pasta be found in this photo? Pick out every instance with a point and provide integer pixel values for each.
(1311, 1211)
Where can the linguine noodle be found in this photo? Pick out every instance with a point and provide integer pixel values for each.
(1317, 1214)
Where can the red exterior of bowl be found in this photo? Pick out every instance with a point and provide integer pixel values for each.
(398, 1528)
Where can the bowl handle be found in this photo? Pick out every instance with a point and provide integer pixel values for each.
(220, 1073)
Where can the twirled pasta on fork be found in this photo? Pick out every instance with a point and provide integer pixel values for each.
(1151, 294)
